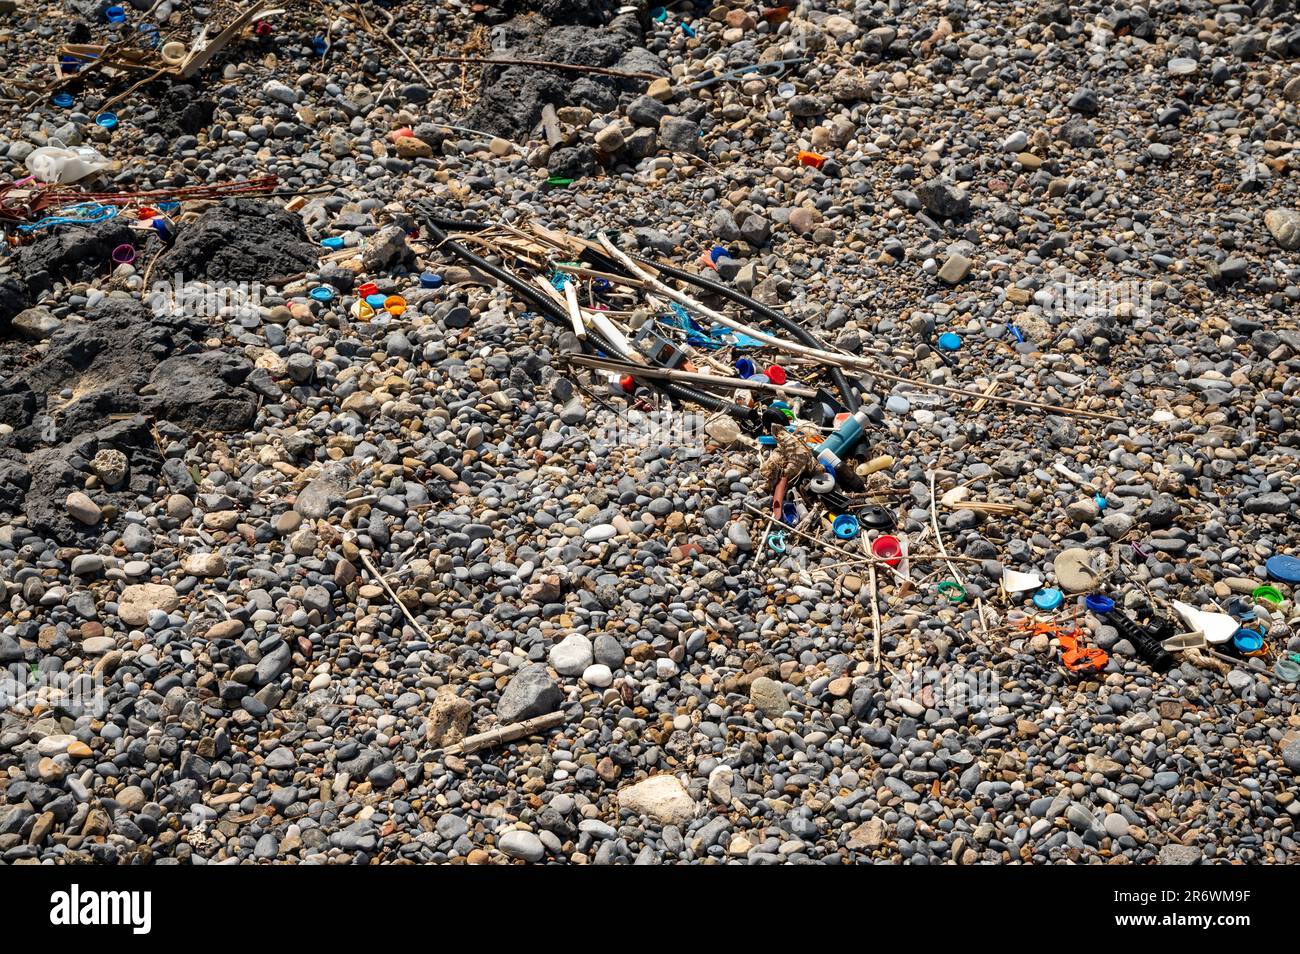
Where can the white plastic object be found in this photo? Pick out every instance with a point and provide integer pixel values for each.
(1217, 627)
(1013, 581)
(60, 166)
(173, 52)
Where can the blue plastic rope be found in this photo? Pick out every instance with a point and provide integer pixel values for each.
(94, 213)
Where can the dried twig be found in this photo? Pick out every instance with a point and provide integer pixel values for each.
(505, 733)
(379, 578)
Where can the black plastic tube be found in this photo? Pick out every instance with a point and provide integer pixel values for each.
(552, 311)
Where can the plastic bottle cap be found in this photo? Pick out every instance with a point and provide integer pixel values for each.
(1287, 670)
(115, 15)
(395, 305)
(786, 90)
(846, 526)
(1096, 603)
(718, 252)
(1267, 594)
(430, 280)
(333, 242)
(361, 311)
(62, 100)
(744, 367)
(322, 293)
(776, 374)
(887, 548)
(159, 225)
(124, 254)
(789, 513)
(949, 341)
(106, 120)
(1248, 640)
(1284, 568)
(823, 483)
(376, 301)
(1048, 599)
(368, 289)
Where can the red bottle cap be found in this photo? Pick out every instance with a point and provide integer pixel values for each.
(776, 374)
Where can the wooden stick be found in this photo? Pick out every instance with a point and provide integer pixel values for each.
(505, 733)
(571, 305)
(374, 571)
(938, 538)
(875, 616)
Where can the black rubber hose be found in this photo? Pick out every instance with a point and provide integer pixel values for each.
(552, 311)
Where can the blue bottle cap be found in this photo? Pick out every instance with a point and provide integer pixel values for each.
(322, 293)
(115, 15)
(430, 280)
(718, 252)
(846, 526)
(1248, 640)
(790, 513)
(949, 341)
(106, 120)
(376, 301)
(1284, 568)
(62, 100)
(333, 242)
(1096, 603)
(744, 367)
(766, 440)
(1048, 599)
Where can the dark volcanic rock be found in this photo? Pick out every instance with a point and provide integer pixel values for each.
(65, 407)
(241, 240)
(202, 391)
(72, 254)
(513, 97)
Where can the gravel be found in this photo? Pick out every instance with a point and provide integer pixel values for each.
(265, 565)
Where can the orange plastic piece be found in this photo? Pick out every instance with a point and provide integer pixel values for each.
(811, 159)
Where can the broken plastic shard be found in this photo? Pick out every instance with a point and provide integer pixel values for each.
(1217, 627)
(1013, 581)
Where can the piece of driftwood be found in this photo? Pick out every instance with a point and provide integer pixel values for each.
(505, 733)
(201, 53)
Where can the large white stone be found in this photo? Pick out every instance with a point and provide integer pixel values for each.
(661, 797)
